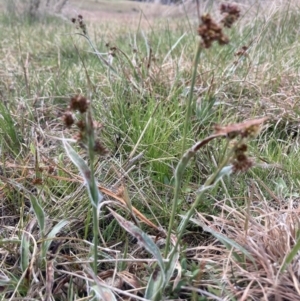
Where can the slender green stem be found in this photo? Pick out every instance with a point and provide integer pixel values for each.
(93, 186)
(172, 218)
(102, 60)
(95, 233)
(190, 99)
(189, 214)
(186, 127)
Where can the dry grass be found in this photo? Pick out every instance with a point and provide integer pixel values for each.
(268, 230)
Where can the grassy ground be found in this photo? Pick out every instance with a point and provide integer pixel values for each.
(241, 242)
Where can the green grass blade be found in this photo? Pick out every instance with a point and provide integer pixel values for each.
(142, 238)
(52, 234)
(154, 286)
(173, 47)
(172, 266)
(24, 250)
(86, 173)
(9, 130)
(39, 213)
(289, 258)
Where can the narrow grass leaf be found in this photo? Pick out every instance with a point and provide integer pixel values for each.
(225, 171)
(289, 258)
(172, 265)
(9, 129)
(52, 234)
(173, 47)
(24, 248)
(154, 286)
(39, 213)
(86, 173)
(100, 57)
(4, 281)
(142, 238)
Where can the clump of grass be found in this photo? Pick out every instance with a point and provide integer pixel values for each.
(156, 120)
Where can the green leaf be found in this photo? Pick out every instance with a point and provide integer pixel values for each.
(154, 286)
(173, 47)
(172, 265)
(158, 278)
(225, 171)
(9, 129)
(289, 258)
(39, 213)
(4, 280)
(86, 174)
(141, 236)
(24, 250)
(52, 234)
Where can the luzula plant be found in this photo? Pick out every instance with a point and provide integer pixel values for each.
(235, 160)
(86, 137)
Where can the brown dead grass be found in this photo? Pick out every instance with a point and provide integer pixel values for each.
(268, 231)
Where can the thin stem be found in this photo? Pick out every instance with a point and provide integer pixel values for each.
(174, 207)
(186, 127)
(93, 186)
(95, 233)
(186, 220)
(190, 99)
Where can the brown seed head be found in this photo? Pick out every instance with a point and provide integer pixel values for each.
(82, 26)
(241, 162)
(68, 119)
(80, 23)
(223, 40)
(241, 148)
(51, 169)
(79, 103)
(242, 51)
(100, 148)
(242, 165)
(80, 136)
(210, 31)
(37, 181)
(229, 8)
(81, 125)
(232, 13)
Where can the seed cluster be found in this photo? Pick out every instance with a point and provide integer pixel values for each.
(85, 124)
(231, 14)
(80, 23)
(239, 134)
(241, 162)
(209, 30)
